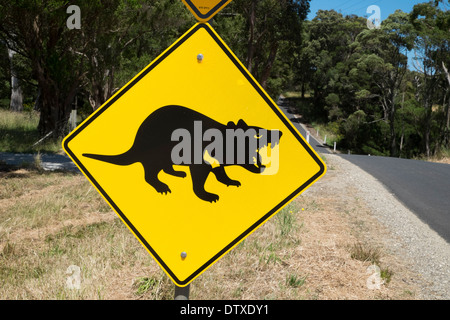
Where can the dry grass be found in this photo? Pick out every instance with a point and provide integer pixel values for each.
(50, 221)
(441, 160)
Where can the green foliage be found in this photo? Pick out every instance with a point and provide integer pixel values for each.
(359, 80)
(386, 275)
(120, 37)
(144, 284)
(294, 281)
(353, 81)
(65, 63)
(286, 220)
(266, 36)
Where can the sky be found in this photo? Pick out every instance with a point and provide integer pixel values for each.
(359, 7)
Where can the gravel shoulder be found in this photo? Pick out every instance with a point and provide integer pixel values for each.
(422, 249)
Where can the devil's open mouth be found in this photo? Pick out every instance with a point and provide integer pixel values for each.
(265, 151)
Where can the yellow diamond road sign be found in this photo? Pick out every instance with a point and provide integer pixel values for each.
(204, 10)
(193, 155)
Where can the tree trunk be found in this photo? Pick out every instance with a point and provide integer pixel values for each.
(402, 126)
(102, 89)
(303, 89)
(443, 125)
(55, 107)
(37, 102)
(393, 152)
(447, 127)
(95, 97)
(446, 72)
(251, 39)
(16, 103)
(392, 112)
(48, 116)
(269, 65)
(446, 108)
(388, 105)
(427, 128)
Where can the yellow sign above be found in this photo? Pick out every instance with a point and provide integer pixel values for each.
(193, 155)
(204, 10)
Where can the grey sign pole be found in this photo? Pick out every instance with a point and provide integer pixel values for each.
(182, 293)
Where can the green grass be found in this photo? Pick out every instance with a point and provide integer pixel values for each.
(386, 275)
(18, 133)
(295, 94)
(444, 153)
(330, 130)
(144, 284)
(286, 220)
(367, 253)
(294, 281)
(153, 288)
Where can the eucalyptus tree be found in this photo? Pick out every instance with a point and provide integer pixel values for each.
(65, 60)
(330, 56)
(383, 55)
(431, 34)
(36, 30)
(271, 27)
(125, 38)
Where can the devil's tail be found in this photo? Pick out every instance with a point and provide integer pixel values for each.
(123, 159)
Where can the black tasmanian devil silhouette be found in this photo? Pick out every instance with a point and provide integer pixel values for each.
(154, 147)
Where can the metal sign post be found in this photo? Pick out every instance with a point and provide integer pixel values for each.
(182, 293)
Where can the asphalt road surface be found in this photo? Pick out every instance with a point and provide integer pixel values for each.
(315, 144)
(49, 162)
(424, 187)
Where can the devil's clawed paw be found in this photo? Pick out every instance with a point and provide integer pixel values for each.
(213, 198)
(234, 184)
(164, 190)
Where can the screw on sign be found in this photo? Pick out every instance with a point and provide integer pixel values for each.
(192, 172)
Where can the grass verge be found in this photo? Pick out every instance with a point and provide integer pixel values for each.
(54, 223)
(18, 133)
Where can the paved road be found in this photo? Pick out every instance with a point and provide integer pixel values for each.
(424, 187)
(48, 161)
(315, 144)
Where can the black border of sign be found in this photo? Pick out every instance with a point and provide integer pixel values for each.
(210, 13)
(208, 28)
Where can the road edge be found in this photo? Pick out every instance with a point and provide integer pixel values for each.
(427, 251)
